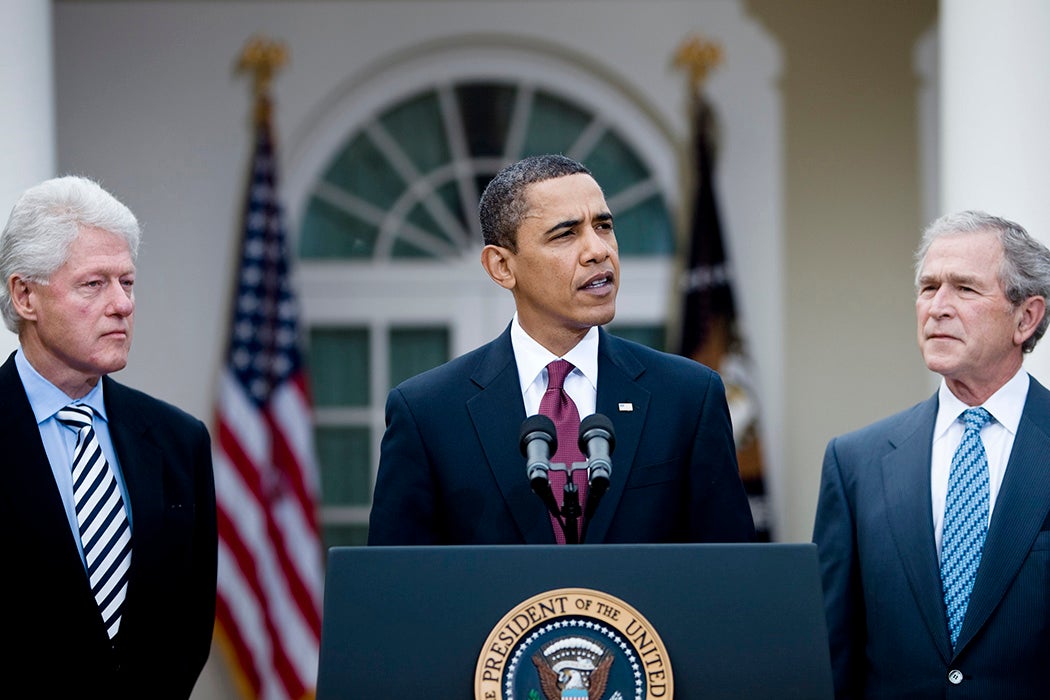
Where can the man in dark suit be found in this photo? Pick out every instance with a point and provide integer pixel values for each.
(109, 595)
(934, 533)
(450, 468)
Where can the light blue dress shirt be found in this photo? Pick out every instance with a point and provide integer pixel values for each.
(60, 442)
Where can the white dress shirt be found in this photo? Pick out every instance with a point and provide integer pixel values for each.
(532, 359)
(1006, 406)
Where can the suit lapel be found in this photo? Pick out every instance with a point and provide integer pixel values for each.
(35, 502)
(1020, 511)
(497, 411)
(141, 464)
(626, 404)
(906, 485)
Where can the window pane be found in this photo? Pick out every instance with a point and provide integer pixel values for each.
(364, 171)
(340, 366)
(329, 232)
(418, 128)
(415, 350)
(486, 111)
(345, 535)
(420, 217)
(615, 165)
(449, 194)
(645, 229)
(345, 456)
(554, 127)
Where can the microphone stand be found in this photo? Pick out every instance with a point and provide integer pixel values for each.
(568, 516)
(594, 494)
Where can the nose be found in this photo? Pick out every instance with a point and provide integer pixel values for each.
(941, 302)
(121, 300)
(597, 247)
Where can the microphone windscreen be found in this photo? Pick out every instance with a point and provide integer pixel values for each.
(596, 421)
(537, 426)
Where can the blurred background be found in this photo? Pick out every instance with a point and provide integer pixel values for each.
(840, 128)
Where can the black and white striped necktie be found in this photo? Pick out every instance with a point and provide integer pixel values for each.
(104, 529)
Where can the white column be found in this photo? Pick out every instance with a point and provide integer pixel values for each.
(27, 118)
(995, 117)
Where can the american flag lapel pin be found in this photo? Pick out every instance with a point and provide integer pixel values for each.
(625, 407)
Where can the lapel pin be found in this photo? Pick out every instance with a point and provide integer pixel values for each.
(626, 407)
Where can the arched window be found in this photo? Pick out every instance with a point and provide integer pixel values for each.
(407, 182)
(384, 199)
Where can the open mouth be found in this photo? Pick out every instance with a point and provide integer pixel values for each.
(600, 281)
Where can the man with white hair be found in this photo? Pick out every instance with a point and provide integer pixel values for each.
(107, 511)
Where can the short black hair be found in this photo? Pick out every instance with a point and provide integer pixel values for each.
(503, 205)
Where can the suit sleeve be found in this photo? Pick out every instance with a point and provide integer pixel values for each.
(405, 501)
(205, 557)
(719, 511)
(834, 535)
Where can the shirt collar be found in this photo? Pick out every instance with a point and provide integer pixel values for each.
(46, 399)
(1006, 405)
(532, 358)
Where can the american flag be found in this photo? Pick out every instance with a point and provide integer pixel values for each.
(270, 560)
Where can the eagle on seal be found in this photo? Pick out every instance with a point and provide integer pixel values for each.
(573, 682)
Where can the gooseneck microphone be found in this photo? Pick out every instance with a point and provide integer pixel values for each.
(597, 441)
(538, 441)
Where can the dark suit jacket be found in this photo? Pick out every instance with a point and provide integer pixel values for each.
(56, 643)
(882, 586)
(451, 471)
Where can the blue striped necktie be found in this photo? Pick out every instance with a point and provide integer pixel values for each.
(965, 519)
(103, 522)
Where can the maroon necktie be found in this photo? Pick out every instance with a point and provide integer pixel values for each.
(557, 406)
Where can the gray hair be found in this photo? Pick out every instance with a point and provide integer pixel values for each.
(43, 224)
(503, 205)
(1025, 270)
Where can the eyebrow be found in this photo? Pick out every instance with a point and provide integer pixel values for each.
(572, 223)
(951, 278)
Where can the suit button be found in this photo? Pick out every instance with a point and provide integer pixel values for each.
(955, 676)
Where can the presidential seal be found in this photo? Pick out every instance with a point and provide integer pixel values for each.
(573, 644)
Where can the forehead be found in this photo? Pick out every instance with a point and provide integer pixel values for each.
(976, 253)
(566, 194)
(96, 248)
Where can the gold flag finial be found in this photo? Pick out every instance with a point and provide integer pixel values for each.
(697, 57)
(262, 57)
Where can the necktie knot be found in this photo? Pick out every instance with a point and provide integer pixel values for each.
(75, 416)
(976, 418)
(557, 371)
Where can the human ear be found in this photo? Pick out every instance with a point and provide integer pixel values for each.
(1031, 312)
(21, 297)
(496, 261)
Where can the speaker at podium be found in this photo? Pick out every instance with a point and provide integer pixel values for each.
(594, 622)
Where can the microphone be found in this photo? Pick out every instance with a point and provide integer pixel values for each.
(597, 441)
(538, 441)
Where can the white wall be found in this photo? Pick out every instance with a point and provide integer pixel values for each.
(27, 135)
